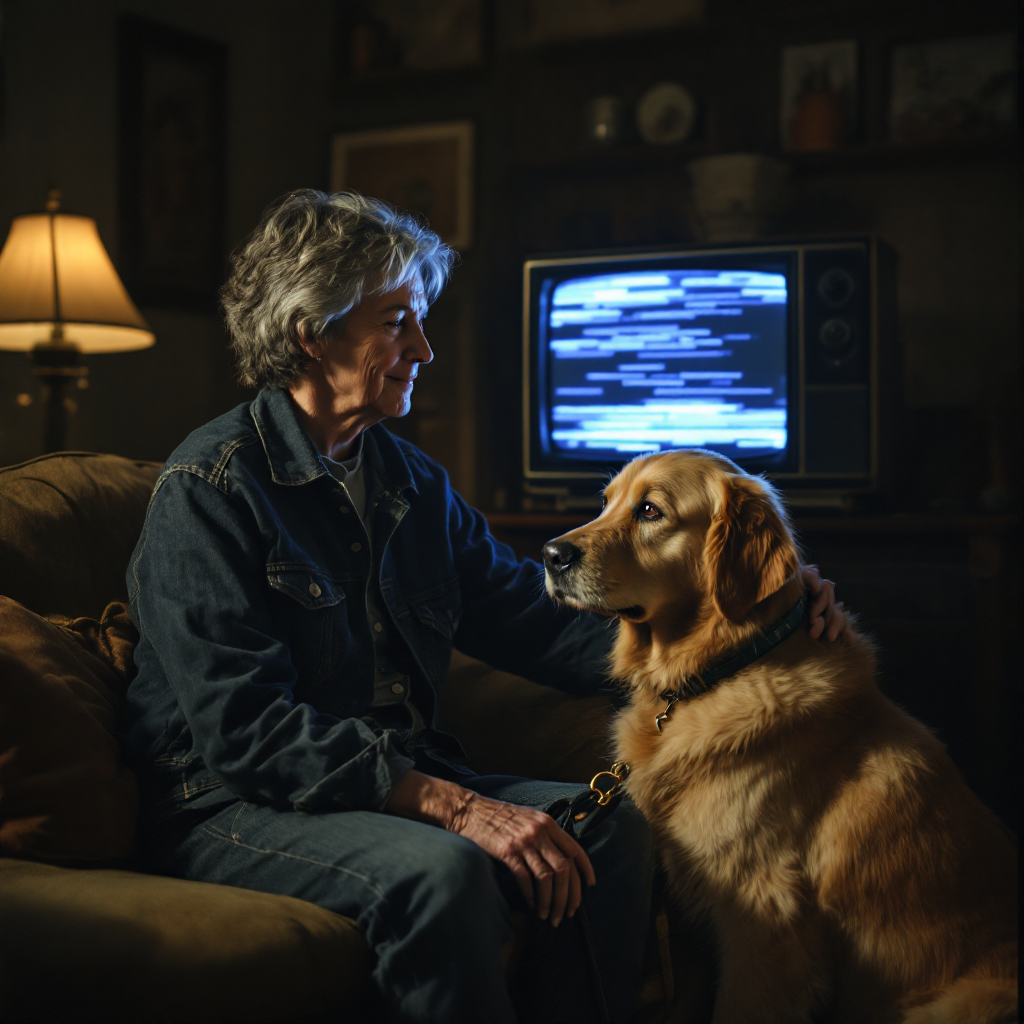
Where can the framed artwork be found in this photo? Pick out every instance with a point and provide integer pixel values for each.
(548, 21)
(952, 89)
(171, 141)
(818, 95)
(424, 169)
(414, 35)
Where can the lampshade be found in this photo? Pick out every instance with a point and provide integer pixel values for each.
(55, 273)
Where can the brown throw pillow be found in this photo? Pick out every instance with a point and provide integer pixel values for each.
(64, 795)
(68, 524)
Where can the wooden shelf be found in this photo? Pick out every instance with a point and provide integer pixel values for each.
(887, 156)
(883, 156)
(600, 160)
(911, 524)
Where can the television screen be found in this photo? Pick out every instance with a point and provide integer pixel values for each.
(648, 359)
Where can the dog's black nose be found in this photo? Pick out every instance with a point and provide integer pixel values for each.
(560, 554)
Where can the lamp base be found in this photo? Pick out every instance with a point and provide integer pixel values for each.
(56, 363)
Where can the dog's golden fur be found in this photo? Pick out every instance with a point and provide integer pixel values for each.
(846, 869)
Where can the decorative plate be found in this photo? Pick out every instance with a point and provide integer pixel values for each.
(666, 114)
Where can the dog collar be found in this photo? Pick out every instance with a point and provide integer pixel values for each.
(702, 682)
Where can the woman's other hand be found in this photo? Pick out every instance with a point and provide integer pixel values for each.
(826, 614)
(546, 862)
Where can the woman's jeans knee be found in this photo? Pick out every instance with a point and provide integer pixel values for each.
(435, 909)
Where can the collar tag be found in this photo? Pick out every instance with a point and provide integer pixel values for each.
(705, 682)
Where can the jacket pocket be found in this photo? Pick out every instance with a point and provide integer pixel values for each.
(439, 614)
(310, 618)
(438, 617)
(439, 608)
(311, 587)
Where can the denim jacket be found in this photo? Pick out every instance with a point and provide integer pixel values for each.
(248, 583)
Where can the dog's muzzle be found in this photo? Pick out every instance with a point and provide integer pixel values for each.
(559, 555)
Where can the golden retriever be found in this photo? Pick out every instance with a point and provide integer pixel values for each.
(846, 870)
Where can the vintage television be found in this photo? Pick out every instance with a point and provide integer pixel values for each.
(778, 355)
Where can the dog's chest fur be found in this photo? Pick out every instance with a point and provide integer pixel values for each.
(717, 782)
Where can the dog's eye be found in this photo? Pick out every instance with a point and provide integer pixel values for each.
(645, 510)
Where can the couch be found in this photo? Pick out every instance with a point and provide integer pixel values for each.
(86, 934)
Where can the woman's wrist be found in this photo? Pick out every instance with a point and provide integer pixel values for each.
(424, 798)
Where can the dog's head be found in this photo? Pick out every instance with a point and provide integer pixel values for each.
(681, 532)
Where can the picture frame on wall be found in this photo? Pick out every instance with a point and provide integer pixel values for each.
(946, 90)
(386, 37)
(171, 142)
(423, 169)
(554, 21)
(818, 96)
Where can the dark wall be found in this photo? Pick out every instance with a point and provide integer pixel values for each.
(951, 212)
(60, 130)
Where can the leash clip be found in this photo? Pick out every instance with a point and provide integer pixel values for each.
(672, 700)
(618, 773)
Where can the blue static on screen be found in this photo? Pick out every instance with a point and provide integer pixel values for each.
(648, 361)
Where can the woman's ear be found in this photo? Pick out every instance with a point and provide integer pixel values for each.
(749, 552)
(311, 349)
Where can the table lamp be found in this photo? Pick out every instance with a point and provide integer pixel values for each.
(60, 300)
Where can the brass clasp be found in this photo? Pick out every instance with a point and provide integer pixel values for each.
(618, 774)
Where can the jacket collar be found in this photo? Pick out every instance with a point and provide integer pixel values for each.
(387, 460)
(293, 458)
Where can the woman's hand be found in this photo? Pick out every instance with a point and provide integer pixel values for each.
(545, 861)
(826, 614)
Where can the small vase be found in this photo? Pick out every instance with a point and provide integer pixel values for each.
(604, 123)
(819, 122)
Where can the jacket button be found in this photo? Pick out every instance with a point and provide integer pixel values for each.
(344, 508)
(397, 688)
(314, 590)
(378, 628)
(357, 546)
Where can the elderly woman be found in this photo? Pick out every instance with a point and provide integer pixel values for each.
(298, 586)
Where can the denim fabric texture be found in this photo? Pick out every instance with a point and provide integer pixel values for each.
(262, 764)
(436, 909)
(255, 662)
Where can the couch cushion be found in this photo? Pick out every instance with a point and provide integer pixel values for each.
(64, 796)
(68, 526)
(113, 946)
(511, 726)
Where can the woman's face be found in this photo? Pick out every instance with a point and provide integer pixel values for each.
(371, 365)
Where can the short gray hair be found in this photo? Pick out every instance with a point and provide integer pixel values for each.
(312, 257)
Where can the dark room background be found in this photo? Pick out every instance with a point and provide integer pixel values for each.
(298, 72)
(950, 210)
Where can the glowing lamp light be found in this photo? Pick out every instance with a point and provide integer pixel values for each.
(62, 299)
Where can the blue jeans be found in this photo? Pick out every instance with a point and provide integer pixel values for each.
(434, 907)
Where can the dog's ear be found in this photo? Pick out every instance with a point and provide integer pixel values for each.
(749, 552)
